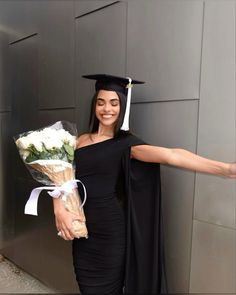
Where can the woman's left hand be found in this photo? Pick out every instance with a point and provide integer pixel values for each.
(232, 170)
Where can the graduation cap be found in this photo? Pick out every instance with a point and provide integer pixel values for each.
(115, 83)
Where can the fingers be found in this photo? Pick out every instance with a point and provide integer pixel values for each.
(66, 235)
(64, 223)
(66, 230)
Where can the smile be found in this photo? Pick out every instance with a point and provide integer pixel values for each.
(107, 116)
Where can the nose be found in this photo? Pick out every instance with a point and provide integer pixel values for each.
(107, 107)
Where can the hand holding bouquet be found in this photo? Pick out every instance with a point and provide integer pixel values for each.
(49, 153)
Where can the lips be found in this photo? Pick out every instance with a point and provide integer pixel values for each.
(107, 116)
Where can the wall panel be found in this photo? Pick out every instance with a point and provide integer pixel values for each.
(95, 53)
(164, 124)
(56, 54)
(164, 48)
(5, 99)
(215, 197)
(57, 257)
(213, 268)
(21, 19)
(26, 238)
(48, 117)
(24, 93)
(24, 87)
(7, 206)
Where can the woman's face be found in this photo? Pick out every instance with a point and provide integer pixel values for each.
(107, 107)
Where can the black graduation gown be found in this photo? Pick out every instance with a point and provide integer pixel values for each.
(144, 257)
(94, 259)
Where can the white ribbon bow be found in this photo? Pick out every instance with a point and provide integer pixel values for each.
(31, 206)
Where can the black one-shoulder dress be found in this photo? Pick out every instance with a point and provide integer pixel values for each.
(103, 262)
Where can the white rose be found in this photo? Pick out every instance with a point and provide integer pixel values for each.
(23, 142)
(38, 145)
(35, 139)
(33, 134)
(47, 133)
(32, 137)
(52, 143)
(58, 143)
(61, 133)
(24, 154)
(48, 144)
(70, 139)
(66, 137)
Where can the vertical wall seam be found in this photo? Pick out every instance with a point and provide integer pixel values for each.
(235, 115)
(196, 150)
(74, 61)
(37, 79)
(126, 40)
(38, 67)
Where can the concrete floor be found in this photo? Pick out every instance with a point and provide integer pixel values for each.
(15, 280)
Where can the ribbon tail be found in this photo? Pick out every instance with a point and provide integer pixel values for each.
(85, 192)
(31, 207)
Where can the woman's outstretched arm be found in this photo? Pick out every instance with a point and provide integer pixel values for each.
(183, 159)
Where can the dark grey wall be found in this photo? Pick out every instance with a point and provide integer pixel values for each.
(185, 51)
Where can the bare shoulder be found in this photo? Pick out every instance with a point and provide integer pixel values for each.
(82, 139)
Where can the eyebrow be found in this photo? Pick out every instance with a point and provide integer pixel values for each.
(113, 99)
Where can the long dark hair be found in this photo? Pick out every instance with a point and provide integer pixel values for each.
(94, 123)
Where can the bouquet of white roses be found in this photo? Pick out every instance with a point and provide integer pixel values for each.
(48, 154)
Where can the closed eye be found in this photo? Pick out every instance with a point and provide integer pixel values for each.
(114, 102)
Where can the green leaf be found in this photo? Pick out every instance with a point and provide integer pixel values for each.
(70, 158)
(31, 157)
(69, 149)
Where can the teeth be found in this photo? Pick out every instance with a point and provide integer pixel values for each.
(106, 116)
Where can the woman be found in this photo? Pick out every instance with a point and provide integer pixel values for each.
(123, 252)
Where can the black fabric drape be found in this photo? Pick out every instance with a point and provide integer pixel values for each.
(144, 255)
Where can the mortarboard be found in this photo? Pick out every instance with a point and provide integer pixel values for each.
(115, 83)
